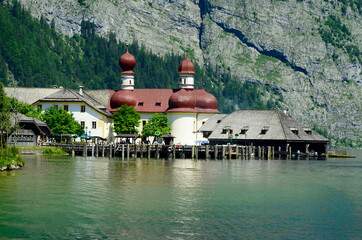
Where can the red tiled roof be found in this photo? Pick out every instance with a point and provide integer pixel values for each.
(156, 100)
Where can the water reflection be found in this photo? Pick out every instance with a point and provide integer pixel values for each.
(108, 198)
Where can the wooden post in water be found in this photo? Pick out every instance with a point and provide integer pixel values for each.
(73, 151)
(273, 152)
(237, 152)
(259, 152)
(84, 149)
(174, 152)
(279, 151)
(92, 150)
(122, 151)
(128, 151)
(197, 152)
(97, 150)
(141, 151)
(207, 153)
(230, 149)
(223, 152)
(103, 150)
(290, 152)
(216, 152)
(269, 153)
(192, 152)
(110, 150)
(242, 152)
(148, 151)
(157, 151)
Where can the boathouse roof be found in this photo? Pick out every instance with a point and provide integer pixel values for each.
(260, 125)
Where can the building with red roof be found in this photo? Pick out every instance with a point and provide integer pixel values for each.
(187, 108)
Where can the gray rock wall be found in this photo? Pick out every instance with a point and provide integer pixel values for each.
(275, 43)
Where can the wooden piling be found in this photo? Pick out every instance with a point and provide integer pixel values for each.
(174, 152)
(148, 151)
(110, 150)
(141, 152)
(96, 150)
(269, 153)
(157, 152)
(128, 151)
(290, 152)
(216, 152)
(84, 149)
(102, 150)
(223, 152)
(192, 152)
(230, 150)
(279, 151)
(122, 152)
(207, 152)
(272, 152)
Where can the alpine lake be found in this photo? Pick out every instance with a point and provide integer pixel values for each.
(106, 198)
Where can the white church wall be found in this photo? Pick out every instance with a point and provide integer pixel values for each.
(183, 127)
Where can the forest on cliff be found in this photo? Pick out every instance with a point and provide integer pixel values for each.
(33, 54)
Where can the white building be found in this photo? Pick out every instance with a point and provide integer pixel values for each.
(187, 108)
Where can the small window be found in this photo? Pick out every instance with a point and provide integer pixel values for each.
(244, 130)
(218, 121)
(82, 123)
(39, 106)
(264, 130)
(144, 122)
(308, 131)
(66, 107)
(94, 124)
(56, 107)
(82, 108)
(140, 104)
(158, 104)
(294, 130)
(203, 122)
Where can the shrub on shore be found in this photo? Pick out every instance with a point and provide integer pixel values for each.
(53, 150)
(12, 161)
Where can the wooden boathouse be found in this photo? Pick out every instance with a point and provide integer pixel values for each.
(263, 128)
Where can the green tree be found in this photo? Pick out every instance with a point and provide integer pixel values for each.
(5, 114)
(126, 119)
(61, 121)
(158, 122)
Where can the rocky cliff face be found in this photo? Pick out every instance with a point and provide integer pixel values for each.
(293, 46)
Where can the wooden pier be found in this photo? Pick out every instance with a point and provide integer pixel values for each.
(217, 152)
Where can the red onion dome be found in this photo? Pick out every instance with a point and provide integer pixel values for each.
(127, 62)
(182, 99)
(205, 100)
(122, 97)
(186, 67)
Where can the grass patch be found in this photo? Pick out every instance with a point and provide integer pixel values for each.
(53, 150)
(243, 58)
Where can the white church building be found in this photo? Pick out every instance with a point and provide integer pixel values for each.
(187, 108)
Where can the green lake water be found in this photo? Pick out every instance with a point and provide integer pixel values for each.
(102, 198)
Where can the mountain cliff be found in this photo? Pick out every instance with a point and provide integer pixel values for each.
(307, 51)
